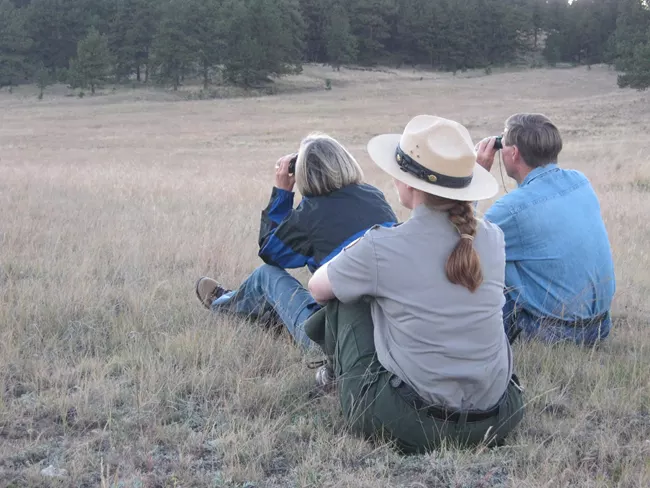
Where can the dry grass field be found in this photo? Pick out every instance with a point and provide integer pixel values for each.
(111, 207)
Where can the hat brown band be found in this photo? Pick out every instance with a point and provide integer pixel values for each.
(409, 165)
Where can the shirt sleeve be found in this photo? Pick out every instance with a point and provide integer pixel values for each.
(353, 272)
(279, 207)
(287, 242)
(499, 213)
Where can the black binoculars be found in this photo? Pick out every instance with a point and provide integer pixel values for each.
(498, 144)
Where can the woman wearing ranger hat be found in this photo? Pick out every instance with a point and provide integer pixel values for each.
(413, 327)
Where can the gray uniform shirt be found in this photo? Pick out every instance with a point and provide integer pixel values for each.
(449, 344)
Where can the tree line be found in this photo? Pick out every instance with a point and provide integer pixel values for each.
(86, 43)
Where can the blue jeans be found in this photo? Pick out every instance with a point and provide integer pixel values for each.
(270, 290)
(544, 329)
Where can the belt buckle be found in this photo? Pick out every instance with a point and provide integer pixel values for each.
(395, 381)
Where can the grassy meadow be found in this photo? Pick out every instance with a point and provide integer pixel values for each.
(112, 206)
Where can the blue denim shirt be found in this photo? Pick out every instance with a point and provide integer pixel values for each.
(558, 257)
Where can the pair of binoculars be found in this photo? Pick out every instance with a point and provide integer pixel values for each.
(292, 165)
(498, 144)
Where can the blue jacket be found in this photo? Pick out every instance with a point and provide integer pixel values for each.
(319, 228)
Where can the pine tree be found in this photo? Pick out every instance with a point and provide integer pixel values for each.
(174, 49)
(536, 20)
(131, 34)
(339, 41)
(638, 74)
(56, 26)
(14, 45)
(265, 39)
(315, 14)
(370, 21)
(42, 77)
(435, 38)
(92, 65)
(206, 27)
(458, 45)
(410, 43)
(632, 24)
(595, 21)
(562, 30)
(509, 32)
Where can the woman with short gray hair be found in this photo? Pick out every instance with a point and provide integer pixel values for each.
(323, 166)
(336, 208)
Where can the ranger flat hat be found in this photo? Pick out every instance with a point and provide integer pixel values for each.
(434, 155)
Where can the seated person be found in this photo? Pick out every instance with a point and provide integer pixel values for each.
(412, 326)
(559, 269)
(336, 208)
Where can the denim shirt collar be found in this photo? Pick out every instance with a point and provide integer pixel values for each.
(538, 172)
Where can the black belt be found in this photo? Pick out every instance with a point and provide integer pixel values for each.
(513, 332)
(442, 413)
(575, 323)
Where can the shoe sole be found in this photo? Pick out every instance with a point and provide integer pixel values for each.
(196, 289)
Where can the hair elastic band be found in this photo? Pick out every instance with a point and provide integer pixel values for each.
(467, 236)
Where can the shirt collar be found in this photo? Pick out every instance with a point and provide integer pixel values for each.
(425, 212)
(538, 172)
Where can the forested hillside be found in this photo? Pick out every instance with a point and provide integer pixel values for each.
(89, 42)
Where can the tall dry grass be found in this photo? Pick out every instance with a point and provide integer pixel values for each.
(111, 207)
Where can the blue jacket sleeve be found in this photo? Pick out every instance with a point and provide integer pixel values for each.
(279, 207)
(284, 240)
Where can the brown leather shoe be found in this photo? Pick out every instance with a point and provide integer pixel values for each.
(208, 290)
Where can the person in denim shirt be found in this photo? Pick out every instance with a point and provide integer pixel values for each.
(560, 277)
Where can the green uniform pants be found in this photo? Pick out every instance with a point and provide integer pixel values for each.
(375, 409)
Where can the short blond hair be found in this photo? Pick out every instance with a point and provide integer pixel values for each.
(536, 137)
(324, 166)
